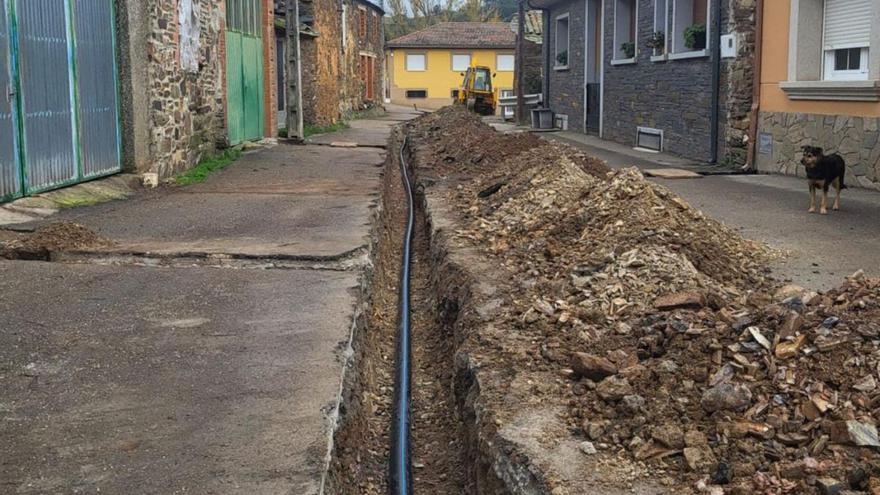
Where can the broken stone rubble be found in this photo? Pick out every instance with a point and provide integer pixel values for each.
(757, 375)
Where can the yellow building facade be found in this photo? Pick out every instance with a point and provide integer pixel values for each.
(435, 85)
(820, 85)
(425, 68)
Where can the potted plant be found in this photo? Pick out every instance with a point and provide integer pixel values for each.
(628, 49)
(695, 37)
(657, 42)
(562, 59)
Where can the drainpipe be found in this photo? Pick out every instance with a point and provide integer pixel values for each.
(752, 144)
(716, 85)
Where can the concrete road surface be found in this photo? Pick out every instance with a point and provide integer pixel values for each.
(134, 379)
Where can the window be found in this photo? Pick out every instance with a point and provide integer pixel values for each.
(454, 94)
(832, 50)
(561, 44)
(847, 36)
(504, 62)
(362, 22)
(415, 62)
(658, 42)
(368, 69)
(460, 62)
(690, 27)
(416, 93)
(625, 15)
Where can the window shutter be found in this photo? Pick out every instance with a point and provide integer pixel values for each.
(847, 23)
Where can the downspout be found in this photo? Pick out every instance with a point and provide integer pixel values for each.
(716, 84)
(752, 144)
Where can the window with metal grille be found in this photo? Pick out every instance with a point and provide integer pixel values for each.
(416, 93)
(244, 16)
(649, 139)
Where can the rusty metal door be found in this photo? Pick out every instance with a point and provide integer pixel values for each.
(62, 98)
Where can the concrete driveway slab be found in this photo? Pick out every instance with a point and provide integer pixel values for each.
(133, 380)
(287, 201)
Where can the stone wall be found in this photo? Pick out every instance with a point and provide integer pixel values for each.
(186, 108)
(324, 73)
(309, 55)
(566, 86)
(737, 78)
(353, 92)
(782, 135)
(674, 96)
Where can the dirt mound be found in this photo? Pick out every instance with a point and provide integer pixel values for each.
(57, 236)
(454, 139)
(683, 358)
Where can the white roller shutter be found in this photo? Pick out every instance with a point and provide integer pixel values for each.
(847, 23)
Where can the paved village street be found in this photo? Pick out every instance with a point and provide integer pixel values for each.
(465, 247)
(118, 377)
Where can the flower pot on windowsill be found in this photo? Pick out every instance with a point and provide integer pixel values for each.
(695, 37)
(657, 43)
(629, 50)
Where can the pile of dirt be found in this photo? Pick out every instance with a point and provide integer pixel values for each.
(455, 140)
(682, 357)
(57, 236)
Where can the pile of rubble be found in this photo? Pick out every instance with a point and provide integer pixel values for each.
(454, 139)
(682, 355)
(55, 236)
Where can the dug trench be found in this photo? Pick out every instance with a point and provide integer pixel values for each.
(580, 330)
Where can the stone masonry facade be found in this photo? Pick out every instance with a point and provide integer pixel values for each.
(566, 86)
(781, 137)
(187, 109)
(370, 44)
(675, 96)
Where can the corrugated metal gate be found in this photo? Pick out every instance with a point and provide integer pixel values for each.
(244, 70)
(59, 118)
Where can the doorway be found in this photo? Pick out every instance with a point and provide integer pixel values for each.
(593, 67)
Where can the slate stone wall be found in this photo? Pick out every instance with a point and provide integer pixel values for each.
(566, 86)
(674, 96)
(782, 135)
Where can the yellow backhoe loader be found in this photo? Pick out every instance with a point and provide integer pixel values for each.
(476, 91)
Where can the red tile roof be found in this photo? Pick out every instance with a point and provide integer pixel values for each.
(459, 35)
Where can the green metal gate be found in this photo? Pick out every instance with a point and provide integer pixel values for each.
(244, 70)
(59, 111)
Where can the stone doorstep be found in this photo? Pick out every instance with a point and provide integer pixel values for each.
(33, 208)
(671, 173)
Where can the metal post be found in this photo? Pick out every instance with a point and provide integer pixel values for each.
(520, 62)
(294, 74)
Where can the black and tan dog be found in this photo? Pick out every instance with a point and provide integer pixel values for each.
(823, 171)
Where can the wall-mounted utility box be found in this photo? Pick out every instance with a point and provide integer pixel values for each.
(728, 45)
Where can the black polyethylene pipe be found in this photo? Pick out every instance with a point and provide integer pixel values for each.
(400, 472)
